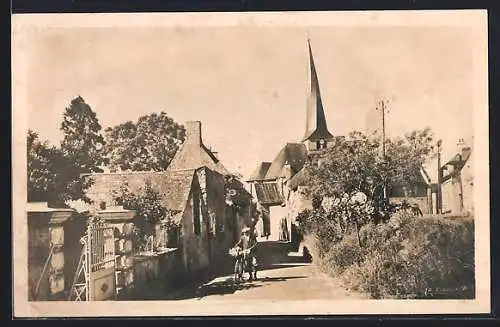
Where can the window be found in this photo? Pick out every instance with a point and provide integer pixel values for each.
(196, 214)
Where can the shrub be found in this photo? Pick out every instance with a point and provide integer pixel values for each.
(406, 257)
(342, 255)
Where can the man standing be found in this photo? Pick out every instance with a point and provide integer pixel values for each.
(248, 242)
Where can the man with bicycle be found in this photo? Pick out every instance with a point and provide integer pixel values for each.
(248, 243)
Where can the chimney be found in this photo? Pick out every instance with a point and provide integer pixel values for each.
(193, 132)
(463, 148)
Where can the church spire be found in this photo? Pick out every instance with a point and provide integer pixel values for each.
(316, 128)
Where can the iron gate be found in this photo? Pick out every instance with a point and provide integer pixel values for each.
(95, 278)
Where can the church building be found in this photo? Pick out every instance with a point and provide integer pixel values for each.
(278, 185)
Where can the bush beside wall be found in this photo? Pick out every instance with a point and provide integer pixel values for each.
(407, 258)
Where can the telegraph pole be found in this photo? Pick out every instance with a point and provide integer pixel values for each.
(440, 173)
(381, 107)
(382, 104)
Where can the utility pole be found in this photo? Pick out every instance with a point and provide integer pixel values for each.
(382, 108)
(382, 104)
(439, 178)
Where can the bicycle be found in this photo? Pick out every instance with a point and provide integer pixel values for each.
(240, 262)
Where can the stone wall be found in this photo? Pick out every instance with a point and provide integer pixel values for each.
(162, 266)
(222, 232)
(220, 224)
(134, 269)
(195, 247)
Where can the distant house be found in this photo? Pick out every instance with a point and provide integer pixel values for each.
(418, 192)
(457, 183)
(454, 180)
(194, 187)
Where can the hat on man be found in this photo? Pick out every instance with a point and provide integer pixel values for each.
(245, 230)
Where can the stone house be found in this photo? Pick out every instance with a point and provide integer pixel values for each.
(455, 180)
(457, 183)
(193, 188)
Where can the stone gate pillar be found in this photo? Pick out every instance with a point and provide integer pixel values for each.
(46, 259)
(122, 222)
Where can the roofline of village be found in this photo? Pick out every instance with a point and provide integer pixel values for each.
(143, 172)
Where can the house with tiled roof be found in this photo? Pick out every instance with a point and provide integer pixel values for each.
(457, 182)
(194, 189)
(278, 185)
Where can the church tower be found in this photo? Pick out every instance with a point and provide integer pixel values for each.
(317, 137)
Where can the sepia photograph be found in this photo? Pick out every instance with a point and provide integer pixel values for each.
(250, 163)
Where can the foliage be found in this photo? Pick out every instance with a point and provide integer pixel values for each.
(234, 191)
(54, 173)
(148, 144)
(82, 143)
(350, 177)
(354, 164)
(405, 258)
(52, 177)
(150, 211)
(405, 156)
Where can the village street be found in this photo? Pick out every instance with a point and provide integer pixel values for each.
(283, 276)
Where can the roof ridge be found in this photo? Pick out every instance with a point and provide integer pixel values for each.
(125, 173)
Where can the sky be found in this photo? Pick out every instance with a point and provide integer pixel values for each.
(249, 85)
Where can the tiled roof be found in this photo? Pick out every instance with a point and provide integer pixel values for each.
(260, 172)
(193, 156)
(461, 158)
(173, 186)
(295, 154)
(458, 161)
(268, 193)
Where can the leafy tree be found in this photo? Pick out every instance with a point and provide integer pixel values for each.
(350, 176)
(406, 156)
(354, 164)
(82, 141)
(52, 177)
(346, 166)
(234, 191)
(54, 173)
(150, 211)
(148, 144)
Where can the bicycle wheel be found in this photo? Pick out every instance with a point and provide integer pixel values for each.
(237, 270)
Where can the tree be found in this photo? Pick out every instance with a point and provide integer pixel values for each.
(354, 164)
(52, 177)
(407, 155)
(150, 211)
(351, 176)
(83, 142)
(346, 166)
(148, 144)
